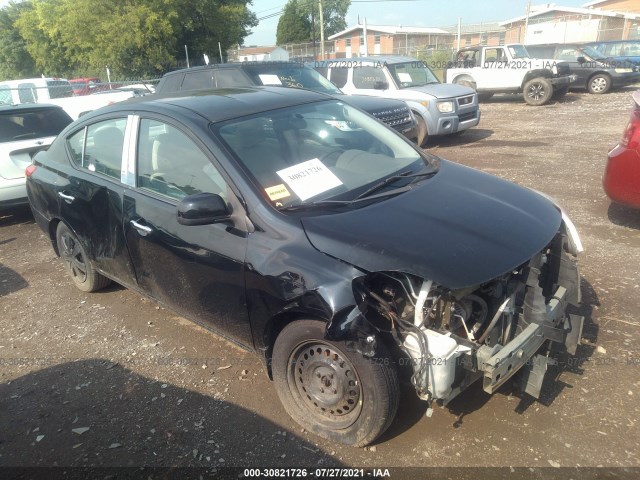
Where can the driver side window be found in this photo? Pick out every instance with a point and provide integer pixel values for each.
(171, 164)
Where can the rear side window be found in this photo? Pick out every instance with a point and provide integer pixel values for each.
(367, 77)
(32, 124)
(99, 147)
(197, 80)
(171, 83)
(339, 76)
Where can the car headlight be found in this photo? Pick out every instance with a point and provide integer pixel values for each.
(623, 70)
(554, 70)
(445, 107)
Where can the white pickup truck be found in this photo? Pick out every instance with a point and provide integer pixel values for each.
(510, 69)
(57, 91)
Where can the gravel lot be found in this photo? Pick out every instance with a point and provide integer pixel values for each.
(112, 379)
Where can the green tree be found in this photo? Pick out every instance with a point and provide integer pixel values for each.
(15, 60)
(134, 38)
(300, 20)
(294, 25)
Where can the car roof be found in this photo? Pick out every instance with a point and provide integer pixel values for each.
(23, 107)
(377, 58)
(217, 105)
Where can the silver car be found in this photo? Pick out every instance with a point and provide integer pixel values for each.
(24, 130)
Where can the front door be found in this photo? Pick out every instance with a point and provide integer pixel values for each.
(196, 270)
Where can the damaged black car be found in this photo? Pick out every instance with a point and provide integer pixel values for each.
(304, 230)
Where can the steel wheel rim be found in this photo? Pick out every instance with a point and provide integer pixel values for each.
(598, 84)
(325, 382)
(537, 91)
(73, 257)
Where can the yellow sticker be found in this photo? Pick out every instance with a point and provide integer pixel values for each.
(277, 192)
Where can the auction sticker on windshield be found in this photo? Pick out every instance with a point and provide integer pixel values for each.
(309, 178)
(270, 79)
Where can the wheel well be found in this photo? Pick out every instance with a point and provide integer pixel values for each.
(535, 74)
(53, 227)
(273, 329)
(598, 73)
(463, 77)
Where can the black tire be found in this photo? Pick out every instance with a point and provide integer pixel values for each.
(537, 91)
(423, 134)
(331, 390)
(560, 92)
(77, 263)
(599, 83)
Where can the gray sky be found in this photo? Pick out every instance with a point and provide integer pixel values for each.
(418, 13)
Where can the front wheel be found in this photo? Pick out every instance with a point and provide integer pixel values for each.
(332, 390)
(77, 262)
(537, 91)
(600, 83)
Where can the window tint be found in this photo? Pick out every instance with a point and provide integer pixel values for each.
(541, 52)
(339, 76)
(197, 80)
(27, 124)
(229, 77)
(367, 77)
(101, 149)
(171, 83)
(171, 164)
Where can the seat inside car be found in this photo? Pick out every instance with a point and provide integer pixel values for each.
(107, 150)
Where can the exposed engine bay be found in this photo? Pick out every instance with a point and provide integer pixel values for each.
(495, 330)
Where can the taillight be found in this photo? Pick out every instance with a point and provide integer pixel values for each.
(30, 170)
(631, 136)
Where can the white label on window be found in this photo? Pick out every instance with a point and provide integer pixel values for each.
(309, 178)
(404, 77)
(270, 80)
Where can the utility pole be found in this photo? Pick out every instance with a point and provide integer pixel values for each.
(313, 34)
(526, 22)
(321, 31)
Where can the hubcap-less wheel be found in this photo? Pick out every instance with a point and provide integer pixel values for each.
(326, 382)
(73, 257)
(599, 85)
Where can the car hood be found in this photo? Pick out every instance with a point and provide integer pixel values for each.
(372, 104)
(459, 228)
(443, 90)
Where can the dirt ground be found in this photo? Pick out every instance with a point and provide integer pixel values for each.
(112, 379)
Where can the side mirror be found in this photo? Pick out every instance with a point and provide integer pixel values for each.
(581, 60)
(380, 85)
(202, 209)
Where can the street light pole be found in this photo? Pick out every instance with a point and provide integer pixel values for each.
(321, 31)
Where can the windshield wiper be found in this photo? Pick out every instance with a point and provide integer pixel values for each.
(393, 178)
(314, 205)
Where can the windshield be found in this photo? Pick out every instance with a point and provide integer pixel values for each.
(292, 75)
(518, 51)
(592, 53)
(412, 74)
(32, 124)
(309, 153)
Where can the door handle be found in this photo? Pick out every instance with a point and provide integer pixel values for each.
(142, 229)
(66, 198)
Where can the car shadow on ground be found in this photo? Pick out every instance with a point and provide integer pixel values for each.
(475, 397)
(467, 136)
(16, 216)
(96, 413)
(500, 98)
(624, 216)
(10, 281)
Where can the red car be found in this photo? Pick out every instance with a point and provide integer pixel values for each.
(86, 86)
(621, 179)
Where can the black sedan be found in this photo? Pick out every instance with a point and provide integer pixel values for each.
(308, 232)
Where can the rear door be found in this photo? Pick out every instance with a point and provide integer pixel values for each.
(90, 194)
(196, 270)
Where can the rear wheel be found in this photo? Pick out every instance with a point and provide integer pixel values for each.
(537, 91)
(77, 263)
(600, 83)
(331, 390)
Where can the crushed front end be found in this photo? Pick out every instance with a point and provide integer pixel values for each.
(500, 329)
